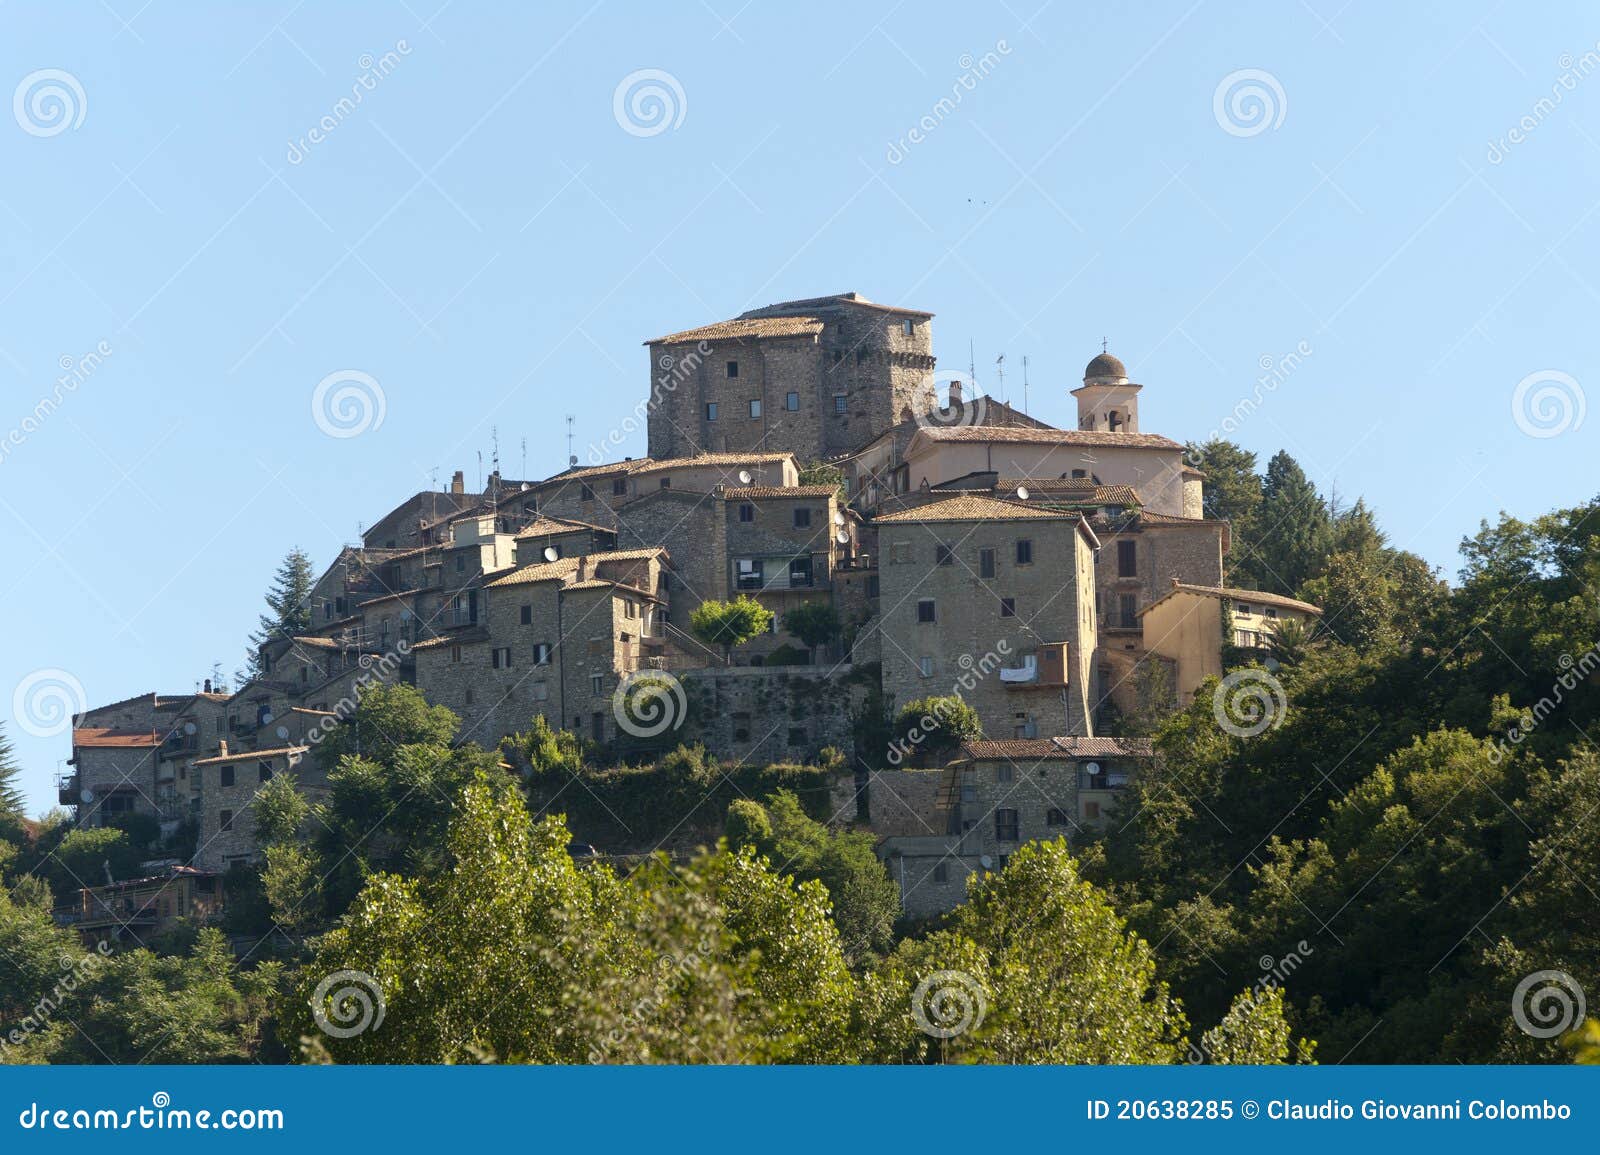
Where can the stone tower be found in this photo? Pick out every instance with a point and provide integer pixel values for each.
(1107, 400)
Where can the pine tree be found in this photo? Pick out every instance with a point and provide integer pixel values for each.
(12, 804)
(1232, 494)
(1294, 527)
(289, 600)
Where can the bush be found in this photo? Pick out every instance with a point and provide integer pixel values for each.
(787, 655)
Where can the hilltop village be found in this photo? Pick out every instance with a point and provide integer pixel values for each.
(808, 452)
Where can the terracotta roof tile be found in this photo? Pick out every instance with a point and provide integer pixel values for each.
(552, 526)
(1021, 435)
(1057, 749)
(758, 492)
(974, 508)
(539, 572)
(104, 737)
(745, 328)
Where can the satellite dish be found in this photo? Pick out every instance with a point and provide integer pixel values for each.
(744, 477)
(190, 728)
(283, 731)
(87, 795)
(551, 553)
(1022, 493)
(985, 861)
(842, 538)
(1092, 767)
(838, 517)
(525, 487)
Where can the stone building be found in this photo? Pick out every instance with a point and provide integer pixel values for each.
(1191, 624)
(992, 600)
(821, 377)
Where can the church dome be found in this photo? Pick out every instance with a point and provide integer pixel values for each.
(1103, 366)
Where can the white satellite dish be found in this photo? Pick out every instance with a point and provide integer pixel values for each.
(551, 553)
(87, 795)
(985, 861)
(744, 477)
(1092, 767)
(1022, 493)
(842, 538)
(525, 487)
(838, 517)
(190, 728)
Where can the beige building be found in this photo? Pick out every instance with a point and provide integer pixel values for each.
(993, 601)
(1191, 624)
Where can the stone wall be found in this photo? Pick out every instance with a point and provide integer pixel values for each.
(762, 714)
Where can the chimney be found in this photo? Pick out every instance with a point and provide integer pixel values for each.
(1175, 583)
(208, 686)
(458, 483)
(955, 394)
(222, 747)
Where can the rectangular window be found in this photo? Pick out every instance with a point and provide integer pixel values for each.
(455, 653)
(527, 615)
(755, 408)
(925, 611)
(619, 487)
(799, 573)
(791, 402)
(711, 410)
(1128, 611)
(941, 872)
(501, 658)
(1005, 826)
(1005, 773)
(1080, 475)
(1127, 559)
(597, 726)
(225, 820)
(899, 552)
(585, 492)
(969, 789)
(840, 403)
(908, 326)
(541, 653)
(733, 368)
(802, 519)
(943, 555)
(1024, 552)
(264, 771)
(461, 563)
(986, 563)
(925, 667)
(1008, 607)
(225, 776)
(666, 483)
(1055, 817)
(747, 512)
(597, 684)
(872, 585)
(750, 575)
(1091, 810)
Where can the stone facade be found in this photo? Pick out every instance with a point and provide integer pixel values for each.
(760, 714)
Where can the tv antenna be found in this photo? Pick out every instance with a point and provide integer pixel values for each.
(1024, 382)
(1000, 376)
(572, 458)
(524, 457)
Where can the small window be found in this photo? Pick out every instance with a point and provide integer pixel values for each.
(899, 552)
(1008, 607)
(455, 653)
(469, 695)
(840, 403)
(585, 492)
(264, 771)
(711, 410)
(501, 658)
(1271, 613)
(1091, 810)
(1127, 559)
(1024, 552)
(461, 563)
(755, 408)
(747, 512)
(597, 684)
(225, 775)
(666, 483)
(908, 326)
(1006, 826)
(733, 368)
(802, 518)
(943, 555)
(619, 487)
(1128, 611)
(541, 653)
(1055, 817)
(925, 667)
(225, 820)
(1005, 773)
(597, 726)
(1080, 475)
(986, 563)
(791, 402)
(872, 585)
(941, 872)
(527, 615)
(925, 611)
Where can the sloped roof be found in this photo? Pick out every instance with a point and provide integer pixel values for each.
(745, 328)
(1057, 749)
(551, 526)
(1232, 593)
(758, 492)
(104, 737)
(970, 507)
(543, 571)
(1023, 435)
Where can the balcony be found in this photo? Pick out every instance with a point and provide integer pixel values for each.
(67, 789)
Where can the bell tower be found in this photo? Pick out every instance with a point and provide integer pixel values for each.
(1107, 400)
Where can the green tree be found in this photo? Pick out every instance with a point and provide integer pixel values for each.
(816, 623)
(387, 718)
(13, 806)
(730, 624)
(822, 473)
(1255, 1031)
(931, 730)
(288, 608)
(1294, 528)
(1232, 494)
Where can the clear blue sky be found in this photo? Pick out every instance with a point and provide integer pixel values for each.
(483, 238)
